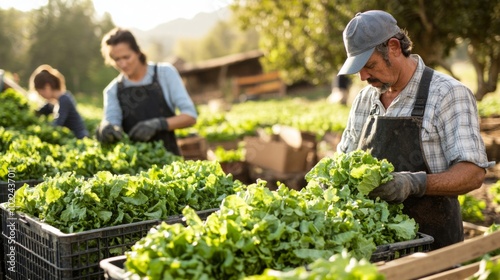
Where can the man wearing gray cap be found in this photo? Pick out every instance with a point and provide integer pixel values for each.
(424, 122)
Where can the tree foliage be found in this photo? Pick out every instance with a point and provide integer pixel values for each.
(224, 39)
(481, 30)
(438, 27)
(66, 36)
(300, 38)
(303, 39)
(14, 39)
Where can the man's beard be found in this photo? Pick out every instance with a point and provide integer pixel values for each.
(383, 89)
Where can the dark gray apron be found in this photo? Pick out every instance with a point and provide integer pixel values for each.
(398, 139)
(139, 103)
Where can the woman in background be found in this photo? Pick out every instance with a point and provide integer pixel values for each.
(144, 99)
(50, 84)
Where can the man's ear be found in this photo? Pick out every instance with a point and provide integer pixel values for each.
(394, 47)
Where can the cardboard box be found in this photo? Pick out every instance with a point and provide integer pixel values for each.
(277, 155)
(226, 145)
(193, 147)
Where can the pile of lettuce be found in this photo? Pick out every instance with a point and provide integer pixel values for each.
(32, 158)
(32, 148)
(257, 228)
(339, 266)
(75, 204)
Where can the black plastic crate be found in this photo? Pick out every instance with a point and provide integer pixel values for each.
(7, 189)
(44, 252)
(388, 252)
(114, 267)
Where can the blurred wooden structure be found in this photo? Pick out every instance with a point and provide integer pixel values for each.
(193, 147)
(258, 84)
(211, 79)
(490, 132)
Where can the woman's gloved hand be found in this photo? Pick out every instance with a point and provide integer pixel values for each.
(403, 185)
(45, 110)
(108, 133)
(145, 130)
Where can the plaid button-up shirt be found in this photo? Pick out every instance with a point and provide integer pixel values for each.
(450, 128)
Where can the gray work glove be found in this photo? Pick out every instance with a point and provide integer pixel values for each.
(403, 185)
(108, 133)
(143, 131)
(45, 110)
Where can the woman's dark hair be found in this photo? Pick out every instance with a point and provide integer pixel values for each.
(44, 75)
(115, 37)
(404, 41)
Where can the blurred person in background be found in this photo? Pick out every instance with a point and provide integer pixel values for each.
(143, 99)
(340, 89)
(50, 84)
(422, 121)
(12, 82)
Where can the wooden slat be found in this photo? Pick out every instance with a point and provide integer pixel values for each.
(458, 273)
(249, 80)
(475, 227)
(423, 264)
(275, 86)
(259, 84)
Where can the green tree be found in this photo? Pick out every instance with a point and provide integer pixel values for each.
(303, 39)
(66, 36)
(187, 49)
(14, 34)
(481, 29)
(99, 74)
(438, 27)
(218, 42)
(224, 39)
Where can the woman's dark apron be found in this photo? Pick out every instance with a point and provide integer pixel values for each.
(398, 139)
(140, 103)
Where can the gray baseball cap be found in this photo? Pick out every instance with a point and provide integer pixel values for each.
(362, 34)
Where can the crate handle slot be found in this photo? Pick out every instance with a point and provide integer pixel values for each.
(23, 220)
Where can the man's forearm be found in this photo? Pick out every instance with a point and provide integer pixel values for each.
(461, 178)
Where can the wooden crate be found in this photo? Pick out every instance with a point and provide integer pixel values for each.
(490, 124)
(462, 272)
(266, 83)
(293, 180)
(193, 147)
(226, 145)
(492, 144)
(238, 169)
(442, 263)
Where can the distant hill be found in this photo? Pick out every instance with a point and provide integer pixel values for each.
(167, 33)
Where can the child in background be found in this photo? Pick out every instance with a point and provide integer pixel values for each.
(50, 84)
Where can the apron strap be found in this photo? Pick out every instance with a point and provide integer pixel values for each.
(120, 83)
(423, 93)
(155, 76)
